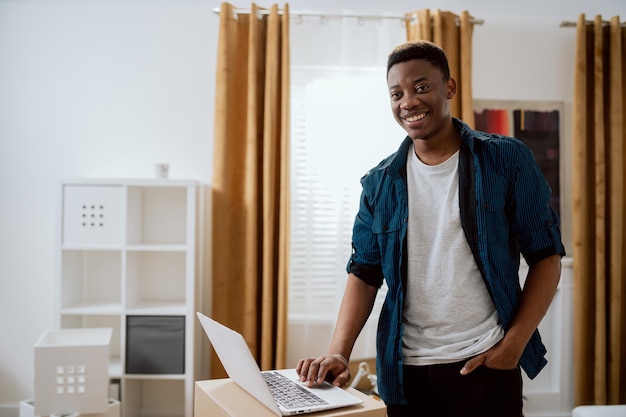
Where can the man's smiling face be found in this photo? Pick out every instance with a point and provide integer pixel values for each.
(419, 97)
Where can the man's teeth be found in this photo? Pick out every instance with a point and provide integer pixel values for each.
(415, 118)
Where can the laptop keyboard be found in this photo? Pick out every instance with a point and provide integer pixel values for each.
(288, 393)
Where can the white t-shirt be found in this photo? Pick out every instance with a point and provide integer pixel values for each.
(448, 315)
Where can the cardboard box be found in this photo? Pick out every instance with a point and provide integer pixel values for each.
(224, 398)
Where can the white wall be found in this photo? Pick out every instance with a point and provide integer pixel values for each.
(88, 88)
(107, 88)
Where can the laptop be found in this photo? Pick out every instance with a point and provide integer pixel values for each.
(241, 367)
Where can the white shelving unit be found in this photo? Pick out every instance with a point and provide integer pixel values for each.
(127, 260)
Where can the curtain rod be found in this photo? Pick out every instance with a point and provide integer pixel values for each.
(324, 15)
(568, 24)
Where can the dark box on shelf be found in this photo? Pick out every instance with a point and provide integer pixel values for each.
(155, 345)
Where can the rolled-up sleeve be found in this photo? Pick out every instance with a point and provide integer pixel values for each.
(536, 223)
(365, 262)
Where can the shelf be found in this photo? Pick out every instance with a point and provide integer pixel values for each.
(93, 309)
(91, 247)
(157, 215)
(166, 398)
(158, 309)
(157, 248)
(156, 377)
(91, 278)
(126, 252)
(155, 277)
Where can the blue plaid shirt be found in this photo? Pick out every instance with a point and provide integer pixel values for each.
(505, 211)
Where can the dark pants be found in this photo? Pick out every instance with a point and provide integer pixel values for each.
(440, 390)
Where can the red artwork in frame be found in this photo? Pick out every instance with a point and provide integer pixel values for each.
(538, 124)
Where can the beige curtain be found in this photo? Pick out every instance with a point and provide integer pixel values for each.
(598, 213)
(250, 216)
(454, 34)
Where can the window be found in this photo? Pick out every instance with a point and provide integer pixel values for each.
(341, 127)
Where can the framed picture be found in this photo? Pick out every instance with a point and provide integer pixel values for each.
(536, 123)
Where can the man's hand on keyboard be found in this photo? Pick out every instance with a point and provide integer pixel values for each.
(332, 368)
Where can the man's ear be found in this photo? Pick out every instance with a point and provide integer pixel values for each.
(451, 87)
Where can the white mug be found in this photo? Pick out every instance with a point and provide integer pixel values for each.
(161, 170)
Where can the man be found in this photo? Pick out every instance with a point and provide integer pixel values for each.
(443, 221)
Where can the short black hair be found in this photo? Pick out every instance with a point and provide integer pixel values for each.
(420, 50)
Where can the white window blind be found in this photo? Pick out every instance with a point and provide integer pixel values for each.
(341, 126)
